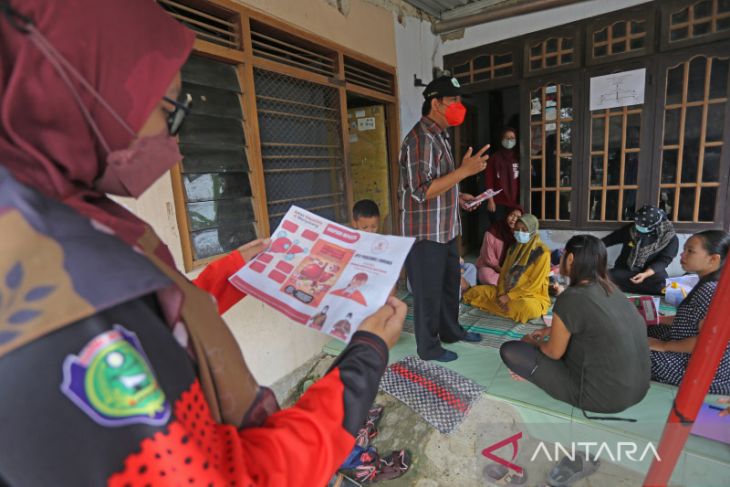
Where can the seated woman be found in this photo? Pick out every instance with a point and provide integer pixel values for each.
(672, 346)
(594, 356)
(497, 240)
(649, 246)
(521, 293)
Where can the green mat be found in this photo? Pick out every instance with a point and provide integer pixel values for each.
(703, 462)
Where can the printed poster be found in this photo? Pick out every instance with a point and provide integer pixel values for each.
(322, 274)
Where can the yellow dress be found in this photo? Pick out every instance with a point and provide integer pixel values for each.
(524, 278)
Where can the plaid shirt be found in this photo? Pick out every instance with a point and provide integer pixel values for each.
(425, 156)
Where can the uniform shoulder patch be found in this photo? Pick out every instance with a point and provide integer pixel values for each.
(112, 382)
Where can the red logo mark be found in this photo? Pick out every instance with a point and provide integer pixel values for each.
(487, 452)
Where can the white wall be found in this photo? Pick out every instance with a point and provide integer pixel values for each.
(417, 51)
(499, 30)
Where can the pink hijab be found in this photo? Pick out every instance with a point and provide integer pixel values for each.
(128, 50)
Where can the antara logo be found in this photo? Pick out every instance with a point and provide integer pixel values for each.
(591, 449)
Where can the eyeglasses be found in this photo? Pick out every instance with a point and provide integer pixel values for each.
(177, 116)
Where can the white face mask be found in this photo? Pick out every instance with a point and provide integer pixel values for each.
(641, 229)
(522, 237)
(508, 143)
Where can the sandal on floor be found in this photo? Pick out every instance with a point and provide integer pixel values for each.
(501, 475)
(385, 468)
(567, 472)
(369, 429)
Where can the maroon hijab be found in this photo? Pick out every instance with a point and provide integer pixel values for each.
(503, 232)
(128, 50)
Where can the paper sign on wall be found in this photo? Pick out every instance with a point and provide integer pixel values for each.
(618, 89)
(367, 123)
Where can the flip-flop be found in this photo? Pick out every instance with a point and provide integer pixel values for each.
(501, 475)
(567, 471)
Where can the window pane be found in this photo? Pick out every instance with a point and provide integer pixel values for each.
(594, 205)
(536, 174)
(460, 69)
(535, 64)
(482, 62)
(690, 157)
(674, 85)
(637, 44)
(565, 205)
(203, 71)
(566, 96)
(551, 45)
(536, 50)
(638, 27)
(614, 168)
(671, 126)
(205, 187)
(566, 58)
(600, 51)
(225, 238)
(619, 29)
(502, 59)
(601, 35)
(703, 9)
(669, 166)
(723, 24)
(633, 130)
(612, 205)
(631, 168)
(715, 121)
(566, 169)
(206, 159)
(567, 43)
(618, 47)
(701, 29)
(708, 198)
(484, 75)
(536, 140)
(597, 170)
(209, 214)
(550, 167)
(679, 34)
(550, 210)
(551, 61)
(680, 16)
(566, 145)
(711, 164)
(597, 134)
(718, 78)
(536, 204)
(696, 83)
(723, 6)
(615, 134)
(686, 204)
(629, 205)
(502, 72)
(666, 201)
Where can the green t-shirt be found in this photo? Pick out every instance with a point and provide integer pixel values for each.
(608, 345)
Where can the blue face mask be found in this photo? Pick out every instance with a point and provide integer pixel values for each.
(641, 229)
(522, 237)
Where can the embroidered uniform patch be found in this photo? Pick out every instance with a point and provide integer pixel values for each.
(112, 382)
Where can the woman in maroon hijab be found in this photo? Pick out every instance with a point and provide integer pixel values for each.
(497, 240)
(503, 172)
(120, 370)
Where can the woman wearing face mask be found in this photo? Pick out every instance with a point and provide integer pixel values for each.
(497, 240)
(503, 172)
(705, 254)
(649, 246)
(113, 354)
(521, 293)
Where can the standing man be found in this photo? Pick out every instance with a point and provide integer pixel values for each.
(430, 200)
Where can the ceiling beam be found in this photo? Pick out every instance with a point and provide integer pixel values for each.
(492, 14)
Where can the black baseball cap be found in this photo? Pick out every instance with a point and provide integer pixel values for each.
(442, 86)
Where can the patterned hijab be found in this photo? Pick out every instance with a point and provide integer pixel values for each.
(646, 245)
(521, 256)
(129, 51)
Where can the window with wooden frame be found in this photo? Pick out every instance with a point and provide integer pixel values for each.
(699, 19)
(620, 37)
(692, 143)
(551, 151)
(485, 67)
(614, 167)
(267, 129)
(551, 53)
